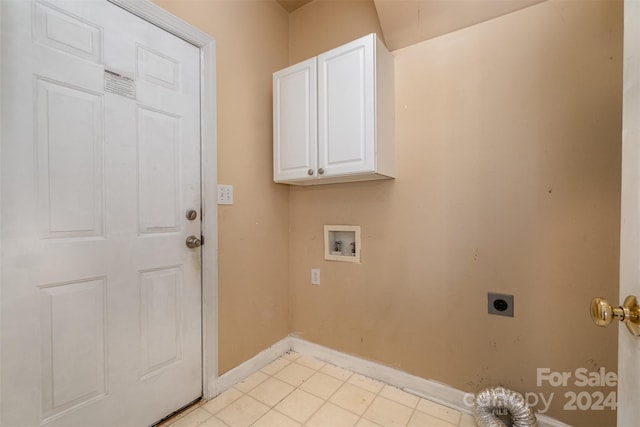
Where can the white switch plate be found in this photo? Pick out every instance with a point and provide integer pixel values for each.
(315, 276)
(225, 194)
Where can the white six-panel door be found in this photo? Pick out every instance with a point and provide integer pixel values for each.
(100, 297)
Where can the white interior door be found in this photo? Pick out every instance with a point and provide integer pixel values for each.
(629, 345)
(100, 297)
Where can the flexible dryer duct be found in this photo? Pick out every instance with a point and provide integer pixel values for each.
(499, 400)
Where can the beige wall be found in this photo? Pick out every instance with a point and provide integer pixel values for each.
(508, 169)
(324, 24)
(508, 160)
(252, 43)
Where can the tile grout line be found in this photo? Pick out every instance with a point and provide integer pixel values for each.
(372, 400)
(378, 395)
(243, 394)
(272, 376)
(346, 381)
(413, 410)
(325, 401)
(315, 371)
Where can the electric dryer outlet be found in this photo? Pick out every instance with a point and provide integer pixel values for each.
(500, 304)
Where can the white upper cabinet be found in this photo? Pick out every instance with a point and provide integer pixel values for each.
(333, 116)
(295, 121)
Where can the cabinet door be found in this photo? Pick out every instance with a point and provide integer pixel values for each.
(295, 143)
(346, 112)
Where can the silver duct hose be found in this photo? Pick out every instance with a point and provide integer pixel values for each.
(491, 402)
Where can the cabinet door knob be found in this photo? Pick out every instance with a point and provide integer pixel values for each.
(310, 172)
(320, 171)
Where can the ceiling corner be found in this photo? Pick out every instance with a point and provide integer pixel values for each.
(407, 22)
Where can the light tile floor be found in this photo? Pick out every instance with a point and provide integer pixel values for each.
(297, 390)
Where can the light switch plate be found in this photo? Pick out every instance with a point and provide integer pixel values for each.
(225, 194)
(315, 276)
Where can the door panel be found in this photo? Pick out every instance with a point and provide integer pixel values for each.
(69, 120)
(101, 299)
(73, 340)
(295, 122)
(60, 30)
(346, 116)
(158, 171)
(161, 319)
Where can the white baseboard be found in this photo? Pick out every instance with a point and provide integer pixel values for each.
(432, 390)
(245, 369)
(428, 389)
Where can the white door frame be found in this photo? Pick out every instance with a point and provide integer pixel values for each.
(629, 345)
(208, 143)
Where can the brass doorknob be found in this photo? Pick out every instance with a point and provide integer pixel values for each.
(602, 313)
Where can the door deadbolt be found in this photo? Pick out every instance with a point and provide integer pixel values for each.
(603, 313)
(191, 214)
(193, 242)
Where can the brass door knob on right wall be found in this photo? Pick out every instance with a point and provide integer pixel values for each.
(602, 313)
